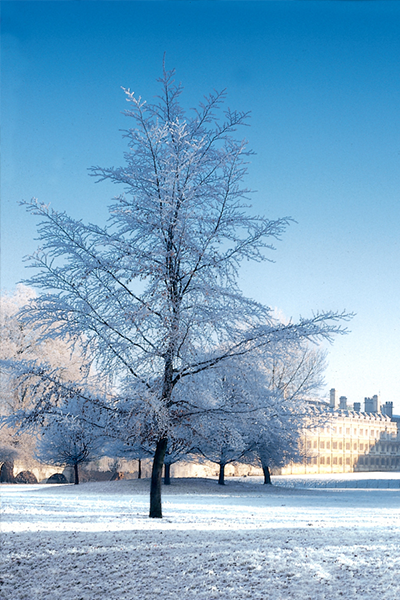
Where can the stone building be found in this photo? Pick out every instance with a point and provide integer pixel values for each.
(349, 439)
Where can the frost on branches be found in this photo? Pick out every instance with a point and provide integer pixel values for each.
(154, 292)
(258, 406)
(233, 394)
(71, 435)
(21, 346)
(289, 377)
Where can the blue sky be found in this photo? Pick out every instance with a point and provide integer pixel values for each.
(322, 82)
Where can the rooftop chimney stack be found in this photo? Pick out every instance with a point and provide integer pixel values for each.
(372, 405)
(387, 409)
(333, 403)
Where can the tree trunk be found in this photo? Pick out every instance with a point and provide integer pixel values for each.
(139, 471)
(7, 472)
(156, 473)
(221, 478)
(167, 474)
(267, 475)
(76, 474)
(161, 448)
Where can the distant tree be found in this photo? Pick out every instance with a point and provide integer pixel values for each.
(222, 445)
(259, 405)
(7, 457)
(126, 438)
(290, 376)
(21, 344)
(14, 446)
(275, 439)
(133, 437)
(155, 291)
(228, 395)
(68, 437)
(177, 449)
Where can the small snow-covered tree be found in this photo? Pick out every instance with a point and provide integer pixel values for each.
(260, 406)
(229, 404)
(274, 437)
(130, 435)
(222, 443)
(178, 448)
(155, 291)
(66, 442)
(72, 428)
(290, 376)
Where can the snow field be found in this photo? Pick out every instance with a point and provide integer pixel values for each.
(242, 541)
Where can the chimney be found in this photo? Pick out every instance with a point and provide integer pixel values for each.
(343, 403)
(333, 399)
(387, 409)
(377, 403)
(369, 405)
(357, 406)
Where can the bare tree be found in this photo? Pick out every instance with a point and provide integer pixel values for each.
(155, 291)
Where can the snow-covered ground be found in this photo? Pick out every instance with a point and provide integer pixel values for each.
(340, 480)
(244, 540)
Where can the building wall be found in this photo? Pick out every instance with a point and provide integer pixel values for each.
(41, 472)
(350, 441)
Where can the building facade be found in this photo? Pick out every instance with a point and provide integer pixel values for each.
(349, 439)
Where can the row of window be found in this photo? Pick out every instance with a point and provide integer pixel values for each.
(326, 460)
(353, 431)
(370, 460)
(348, 446)
(366, 460)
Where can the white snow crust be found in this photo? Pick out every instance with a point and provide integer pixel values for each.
(244, 540)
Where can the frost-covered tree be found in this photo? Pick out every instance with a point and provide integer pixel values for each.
(222, 443)
(178, 448)
(21, 343)
(155, 291)
(67, 438)
(296, 370)
(259, 406)
(133, 438)
(130, 433)
(230, 404)
(133, 450)
(290, 376)
(274, 436)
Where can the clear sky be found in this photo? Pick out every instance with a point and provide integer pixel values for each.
(322, 82)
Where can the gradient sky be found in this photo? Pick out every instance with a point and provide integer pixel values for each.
(322, 82)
